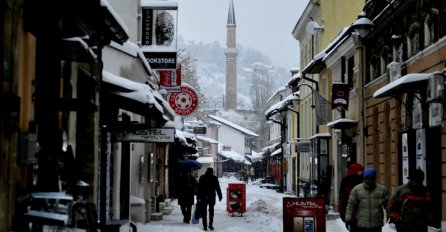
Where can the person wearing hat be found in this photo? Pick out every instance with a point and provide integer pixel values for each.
(409, 206)
(366, 204)
(353, 177)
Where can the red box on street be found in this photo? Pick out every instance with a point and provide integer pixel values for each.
(236, 198)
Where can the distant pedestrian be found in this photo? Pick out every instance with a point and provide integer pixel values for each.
(350, 180)
(187, 187)
(367, 201)
(208, 188)
(409, 207)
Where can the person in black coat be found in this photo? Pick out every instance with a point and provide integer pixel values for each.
(186, 186)
(208, 187)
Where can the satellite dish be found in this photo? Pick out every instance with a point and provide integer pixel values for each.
(312, 27)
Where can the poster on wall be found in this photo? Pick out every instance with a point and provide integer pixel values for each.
(404, 158)
(417, 113)
(159, 20)
(170, 80)
(421, 150)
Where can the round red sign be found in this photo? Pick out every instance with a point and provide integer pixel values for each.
(185, 102)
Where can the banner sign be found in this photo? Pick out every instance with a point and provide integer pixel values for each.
(303, 214)
(159, 20)
(146, 135)
(171, 80)
(185, 102)
(340, 95)
(321, 109)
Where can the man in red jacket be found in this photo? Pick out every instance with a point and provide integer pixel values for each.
(409, 206)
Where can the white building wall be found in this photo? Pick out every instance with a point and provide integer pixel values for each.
(231, 137)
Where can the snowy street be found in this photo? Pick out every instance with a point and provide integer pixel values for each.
(263, 214)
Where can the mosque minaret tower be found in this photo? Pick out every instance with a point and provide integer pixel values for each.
(231, 61)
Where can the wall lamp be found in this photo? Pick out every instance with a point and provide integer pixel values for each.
(363, 25)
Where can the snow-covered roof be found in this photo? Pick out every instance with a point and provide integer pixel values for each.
(206, 139)
(280, 106)
(233, 125)
(115, 15)
(159, 4)
(80, 41)
(400, 83)
(281, 89)
(205, 160)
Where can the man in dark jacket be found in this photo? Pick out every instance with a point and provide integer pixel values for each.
(409, 207)
(208, 185)
(186, 188)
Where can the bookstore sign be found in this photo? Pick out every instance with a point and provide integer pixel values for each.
(159, 20)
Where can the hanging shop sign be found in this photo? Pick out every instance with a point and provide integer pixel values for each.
(159, 20)
(321, 109)
(170, 80)
(185, 102)
(146, 135)
(340, 94)
(303, 214)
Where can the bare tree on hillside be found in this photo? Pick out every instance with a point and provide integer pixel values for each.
(261, 84)
(189, 76)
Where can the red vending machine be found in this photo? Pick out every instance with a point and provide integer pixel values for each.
(236, 198)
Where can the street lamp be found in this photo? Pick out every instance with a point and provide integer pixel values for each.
(362, 25)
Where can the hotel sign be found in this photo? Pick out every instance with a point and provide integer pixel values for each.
(146, 135)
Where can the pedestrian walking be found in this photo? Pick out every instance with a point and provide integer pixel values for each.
(409, 207)
(208, 188)
(366, 204)
(187, 187)
(350, 180)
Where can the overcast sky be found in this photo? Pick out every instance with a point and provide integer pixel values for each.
(264, 25)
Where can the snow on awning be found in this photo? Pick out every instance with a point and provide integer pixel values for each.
(233, 155)
(182, 135)
(341, 123)
(401, 85)
(271, 148)
(206, 139)
(77, 49)
(321, 135)
(137, 91)
(205, 160)
(278, 151)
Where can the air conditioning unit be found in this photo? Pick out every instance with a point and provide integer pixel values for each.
(435, 88)
(394, 70)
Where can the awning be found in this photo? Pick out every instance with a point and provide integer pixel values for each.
(342, 123)
(77, 49)
(133, 96)
(404, 84)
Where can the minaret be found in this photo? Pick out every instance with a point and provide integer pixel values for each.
(231, 61)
